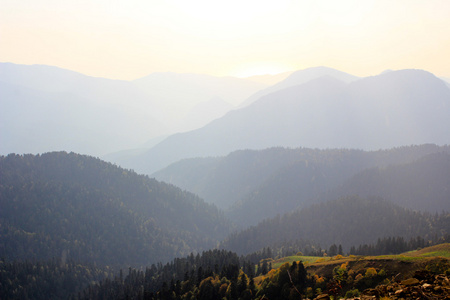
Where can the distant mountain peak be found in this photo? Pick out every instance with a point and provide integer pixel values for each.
(397, 108)
(300, 77)
(386, 71)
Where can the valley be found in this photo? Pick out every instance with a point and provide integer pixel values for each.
(332, 177)
(224, 150)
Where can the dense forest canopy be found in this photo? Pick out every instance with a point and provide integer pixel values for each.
(347, 221)
(94, 211)
(253, 185)
(422, 184)
(54, 279)
(69, 220)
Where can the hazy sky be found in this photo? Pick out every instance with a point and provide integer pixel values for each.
(133, 38)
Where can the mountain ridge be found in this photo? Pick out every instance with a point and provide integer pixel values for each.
(93, 211)
(124, 111)
(251, 185)
(301, 77)
(379, 112)
(348, 221)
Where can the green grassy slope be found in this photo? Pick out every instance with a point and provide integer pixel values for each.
(405, 264)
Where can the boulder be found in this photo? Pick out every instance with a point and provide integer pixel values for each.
(410, 282)
(428, 287)
(322, 297)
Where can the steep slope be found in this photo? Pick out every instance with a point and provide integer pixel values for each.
(205, 112)
(419, 185)
(67, 204)
(226, 180)
(349, 221)
(261, 125)
(399, 108)
(301, 77)
(446, 80)
(393, 109)
(177, 94)
(46, 108)
(253, 185)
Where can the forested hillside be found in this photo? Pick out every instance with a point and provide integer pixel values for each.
(411, 181)
(292, 278)
(78, 206)
(419, 185)
(162, 279)
(51, 280)
(253, 185)
(348, 221)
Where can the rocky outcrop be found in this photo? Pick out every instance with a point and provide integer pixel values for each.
(423, 285)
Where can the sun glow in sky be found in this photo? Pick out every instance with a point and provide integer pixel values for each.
(130, 39)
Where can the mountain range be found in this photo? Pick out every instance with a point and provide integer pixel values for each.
(298, 78)
(46, 108)
(319, 158)
(190, 90)
(74, 206)
(251, 185)
(419, 185)
(347, 221)
(388, 110)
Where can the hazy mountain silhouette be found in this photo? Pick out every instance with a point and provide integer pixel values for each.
(393, 109)
(300, 77)
(35, 121)
(253, 185)
(408, 182)
(204, 113)
(419, 185)
(46, 108)
(178, 94)
(446, 80)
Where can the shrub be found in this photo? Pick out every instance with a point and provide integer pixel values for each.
(370, 272)
(358, 278)
(352, 293)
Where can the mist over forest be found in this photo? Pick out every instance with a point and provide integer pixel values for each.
(232, 150)
(186, 180)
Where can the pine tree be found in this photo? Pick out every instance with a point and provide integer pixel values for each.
(242, 283)
(264, 268)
